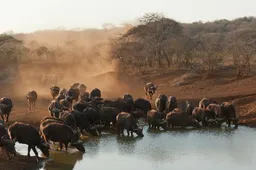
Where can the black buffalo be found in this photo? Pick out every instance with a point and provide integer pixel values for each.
(143, 105)
(6, 143)
(108, 115)
(95, 93)
(27, 134)
(63, 134)
(5, 108)
(83, 123)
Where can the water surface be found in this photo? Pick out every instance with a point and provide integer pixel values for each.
(209, 149)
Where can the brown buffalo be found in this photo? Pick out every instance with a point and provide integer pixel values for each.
(54, 91)
(127, 121)
(150, 90)
(31, 97)
(181, 119)
(161, 103)
(155, 120)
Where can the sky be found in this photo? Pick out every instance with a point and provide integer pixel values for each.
(32, 15)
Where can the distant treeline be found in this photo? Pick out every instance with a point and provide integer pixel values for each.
(153, 42)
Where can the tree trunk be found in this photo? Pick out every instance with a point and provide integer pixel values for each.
(167, 59)
(159, 58)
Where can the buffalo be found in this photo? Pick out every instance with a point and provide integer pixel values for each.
(54, 91)
(189, 108)
(224, 112)
(73, 94)
(155, 120)
(31, 97)
(161, 103)
(171, 103)
(150, 90)
(62, 94)
(92, 115)
(143, 105)
(83, 123)
(82, 89)
(5, 108)
(204, 103)
(109, 103)
(129, 102)
(95, 93)
(108, 115)
(46, 120)
(66, 103)
(28, 134)
(229, 113)
(182, 119)
(207, 117)
(80, 106)
(127, 121)
(63, 134)
(69, 119)
(6, 143)
(55, 108)
(217, 110)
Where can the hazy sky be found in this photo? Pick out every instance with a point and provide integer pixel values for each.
(32, 15)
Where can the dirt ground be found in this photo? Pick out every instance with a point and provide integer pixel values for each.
(183, 85)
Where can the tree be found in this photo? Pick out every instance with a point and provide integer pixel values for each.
(242, 46)
(154, 32)
(9, 50)
(7, 39)
(209, 52)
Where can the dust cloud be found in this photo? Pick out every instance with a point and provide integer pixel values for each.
(79, 56)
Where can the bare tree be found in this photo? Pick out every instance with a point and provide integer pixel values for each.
(209, 52)
(242, 46)
(150, 40)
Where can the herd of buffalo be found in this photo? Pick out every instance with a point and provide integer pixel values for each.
(74, 112)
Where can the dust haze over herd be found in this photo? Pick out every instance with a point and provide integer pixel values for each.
(97, 67)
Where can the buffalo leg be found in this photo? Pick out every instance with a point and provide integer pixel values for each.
(131, 132)
(122, 131)
(29, 148)
(128, 133)
(7, 153)
(228, 122)
(2, 116)
(36, 153)
(7, 117)
(61, 146)
(66, 146)
(235, 122)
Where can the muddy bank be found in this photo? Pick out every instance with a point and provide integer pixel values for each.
(19, 162)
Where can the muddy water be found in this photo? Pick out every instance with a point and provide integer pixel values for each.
(179, 149)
